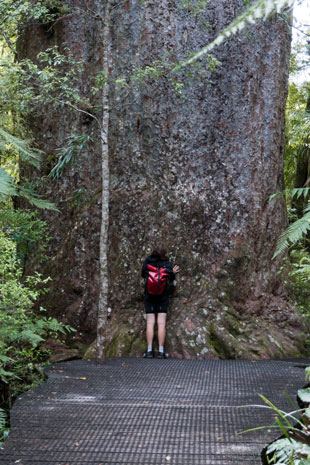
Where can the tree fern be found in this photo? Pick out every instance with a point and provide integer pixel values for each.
(2, 418)
(2, 425)
(30, 155)
(34, 199)
(296, 192)
(294, 232)
(261, 9)
(7, 186)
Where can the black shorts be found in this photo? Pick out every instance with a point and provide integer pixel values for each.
(156, 303)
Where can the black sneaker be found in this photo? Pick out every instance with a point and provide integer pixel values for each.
(162, 355)
(148, 354)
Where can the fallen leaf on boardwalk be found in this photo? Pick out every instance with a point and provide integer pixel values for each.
(54, 393)
(60, 371)
(77, 443)
(81, 377)
(146, 401)
(83, 455)
(219, 438)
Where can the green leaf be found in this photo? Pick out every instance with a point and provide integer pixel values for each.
(7, 186)
(304, 395)
(293, 233)
(284, 450)
(30, 155)
(31, 337)
(34, 199)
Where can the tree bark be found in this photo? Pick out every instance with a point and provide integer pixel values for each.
(105, 198)
(193, 171)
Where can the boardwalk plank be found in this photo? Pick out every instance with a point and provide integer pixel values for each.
(149, 412)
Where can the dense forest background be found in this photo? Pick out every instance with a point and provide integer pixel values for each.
(115, 133)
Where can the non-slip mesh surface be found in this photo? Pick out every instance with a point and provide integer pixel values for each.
(150, 412)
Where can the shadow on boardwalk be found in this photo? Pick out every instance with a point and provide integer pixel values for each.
(149, 412)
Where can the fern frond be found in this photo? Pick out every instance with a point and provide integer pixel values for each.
(296, 192)
(2, 418)
(7, 186)
(303, 270)
(28, 154)
(293, 233)
(31, 337)
(300, 192)
(261, 9)
(76, 143)
(34, 199)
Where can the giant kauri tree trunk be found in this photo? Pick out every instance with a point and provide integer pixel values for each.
(194, 170)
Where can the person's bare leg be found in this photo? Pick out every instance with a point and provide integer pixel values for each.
(150, 323)
(161, 324)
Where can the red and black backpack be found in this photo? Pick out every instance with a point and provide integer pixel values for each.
(156, 280)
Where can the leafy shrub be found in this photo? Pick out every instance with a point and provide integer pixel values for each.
(27, 231)
(3, 430)
(293, 448)
(299, 279)
(22, 330)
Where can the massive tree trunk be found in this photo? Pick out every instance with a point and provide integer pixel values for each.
(194, 171)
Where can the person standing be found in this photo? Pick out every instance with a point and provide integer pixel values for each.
(156, 302)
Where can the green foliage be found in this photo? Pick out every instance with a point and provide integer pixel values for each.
(304, 395)
(22, 330)
(28, 233)
(75, 144)
(287, 451)
(297, 281)
(8, 187)
(3, 430)
(294, 447)
(26, 86)
(297, 130)
(16, 12)
(294, 233)
(166, 71)
(30, 155)
(297, 146)
(52, 79)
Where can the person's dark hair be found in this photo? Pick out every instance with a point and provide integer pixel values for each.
(160, 252)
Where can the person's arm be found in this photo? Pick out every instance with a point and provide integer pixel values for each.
(176, 269)
(144, 271)
(172, 270)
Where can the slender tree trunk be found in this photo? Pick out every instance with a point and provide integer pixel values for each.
(105, 202)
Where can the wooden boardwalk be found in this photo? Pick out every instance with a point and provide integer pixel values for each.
(149, 412)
